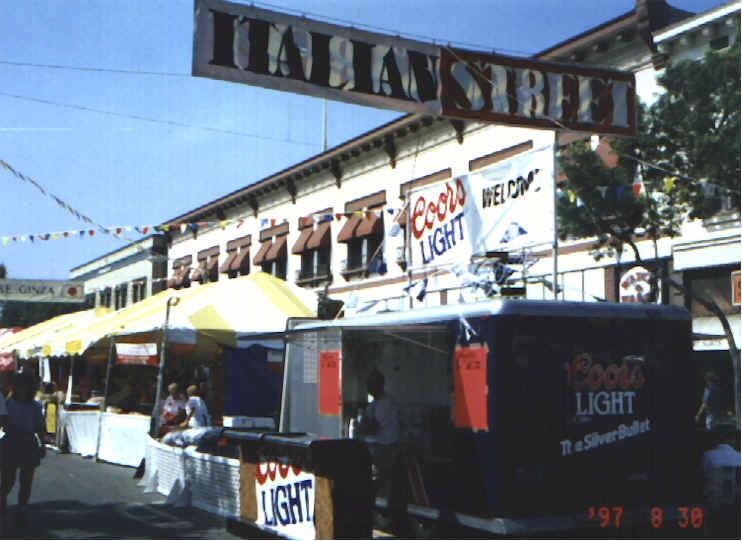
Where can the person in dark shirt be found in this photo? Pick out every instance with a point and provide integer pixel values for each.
(711, 401)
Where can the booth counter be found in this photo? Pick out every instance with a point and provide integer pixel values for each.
(122, 436)
(188, 477)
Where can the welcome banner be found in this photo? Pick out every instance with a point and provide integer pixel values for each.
(506, 207)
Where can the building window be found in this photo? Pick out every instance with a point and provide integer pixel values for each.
(105, 297)
(90, 300)
(138, 289)
(208, 266)
(714, 285)
(120, 294)
(313, 245)
(272, 255)
(238, 257)
(363, 234)
(181, 272)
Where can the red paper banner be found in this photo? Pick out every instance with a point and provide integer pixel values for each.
(329, 383)
(470, 387)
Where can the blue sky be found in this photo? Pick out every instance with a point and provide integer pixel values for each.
(141, 148)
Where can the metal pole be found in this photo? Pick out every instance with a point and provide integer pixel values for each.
(555, 246)
(324, 125)
(104, 405)
(154, 425)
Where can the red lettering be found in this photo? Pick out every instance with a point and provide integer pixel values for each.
(418, 213)
(442, 201)
(430, 215)
(446, 203)
(582, 374)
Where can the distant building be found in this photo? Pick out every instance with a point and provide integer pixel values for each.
(125, 276)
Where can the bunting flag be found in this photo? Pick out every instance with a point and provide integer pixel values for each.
(669, 183)
(638, 186)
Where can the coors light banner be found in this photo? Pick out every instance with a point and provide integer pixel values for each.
(504, 207)
(255, 46)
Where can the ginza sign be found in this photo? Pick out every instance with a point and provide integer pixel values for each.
(250, 45)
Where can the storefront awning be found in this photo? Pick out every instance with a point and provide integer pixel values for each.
(300, 245)
(264, 247)
(320, 237)
(278, 249)
(348, 232)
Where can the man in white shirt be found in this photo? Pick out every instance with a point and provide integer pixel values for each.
(721, 484)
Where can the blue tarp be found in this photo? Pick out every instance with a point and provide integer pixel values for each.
(252, 385)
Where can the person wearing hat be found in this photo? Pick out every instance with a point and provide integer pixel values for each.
(720, 466)
(711, 401)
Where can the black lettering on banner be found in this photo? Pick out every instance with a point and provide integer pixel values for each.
(223, 52)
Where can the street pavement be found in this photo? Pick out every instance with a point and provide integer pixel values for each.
(77, 498)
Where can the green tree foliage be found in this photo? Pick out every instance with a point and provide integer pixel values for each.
(694, 131)
(687, 153)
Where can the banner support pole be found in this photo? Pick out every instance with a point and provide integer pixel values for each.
(555, 245)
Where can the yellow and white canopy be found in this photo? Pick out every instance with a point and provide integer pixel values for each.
(30, 342)
(218, 312)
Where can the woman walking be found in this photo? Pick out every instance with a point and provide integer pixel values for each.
(24, 441)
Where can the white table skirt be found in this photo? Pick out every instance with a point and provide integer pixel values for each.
(188, 477)
(122, 439)
(80, 429)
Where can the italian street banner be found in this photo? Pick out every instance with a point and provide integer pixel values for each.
(506, 207)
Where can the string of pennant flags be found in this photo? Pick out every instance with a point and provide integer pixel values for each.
(120, 231)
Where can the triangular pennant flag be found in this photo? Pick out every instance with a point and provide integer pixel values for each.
(193, 227)
(66, 234)
(119, 230)
(55, 236)
(339, 216)
(183, 228)
(239, 224)
(145, 229)
(91, 232)
(572, 196)
(638, 187)
(5, 241)
(165, 228)
(15, 238)
(669, 183)
(23, 238)
(602, 190)
(30, 237)
(223, 224)
(619, 192)
(369, 214)
(579, 202)
(82, 233)
(390, 211)
(273, 222)
(263, 222)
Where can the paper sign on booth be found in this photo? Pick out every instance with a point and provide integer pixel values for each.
(470, 387)
(329, 382)
(145, 354)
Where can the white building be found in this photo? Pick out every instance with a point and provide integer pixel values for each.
(288, 224)
(125, 276)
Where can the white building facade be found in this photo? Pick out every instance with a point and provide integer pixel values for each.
(344, 221)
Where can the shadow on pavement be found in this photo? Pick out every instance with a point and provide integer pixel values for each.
(69, 519)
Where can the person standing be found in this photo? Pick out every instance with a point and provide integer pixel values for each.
(380, 429)
(720, 466)
(3, 425)
(24, 447)
(196, 413)
(711, 401)
(174, 408)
